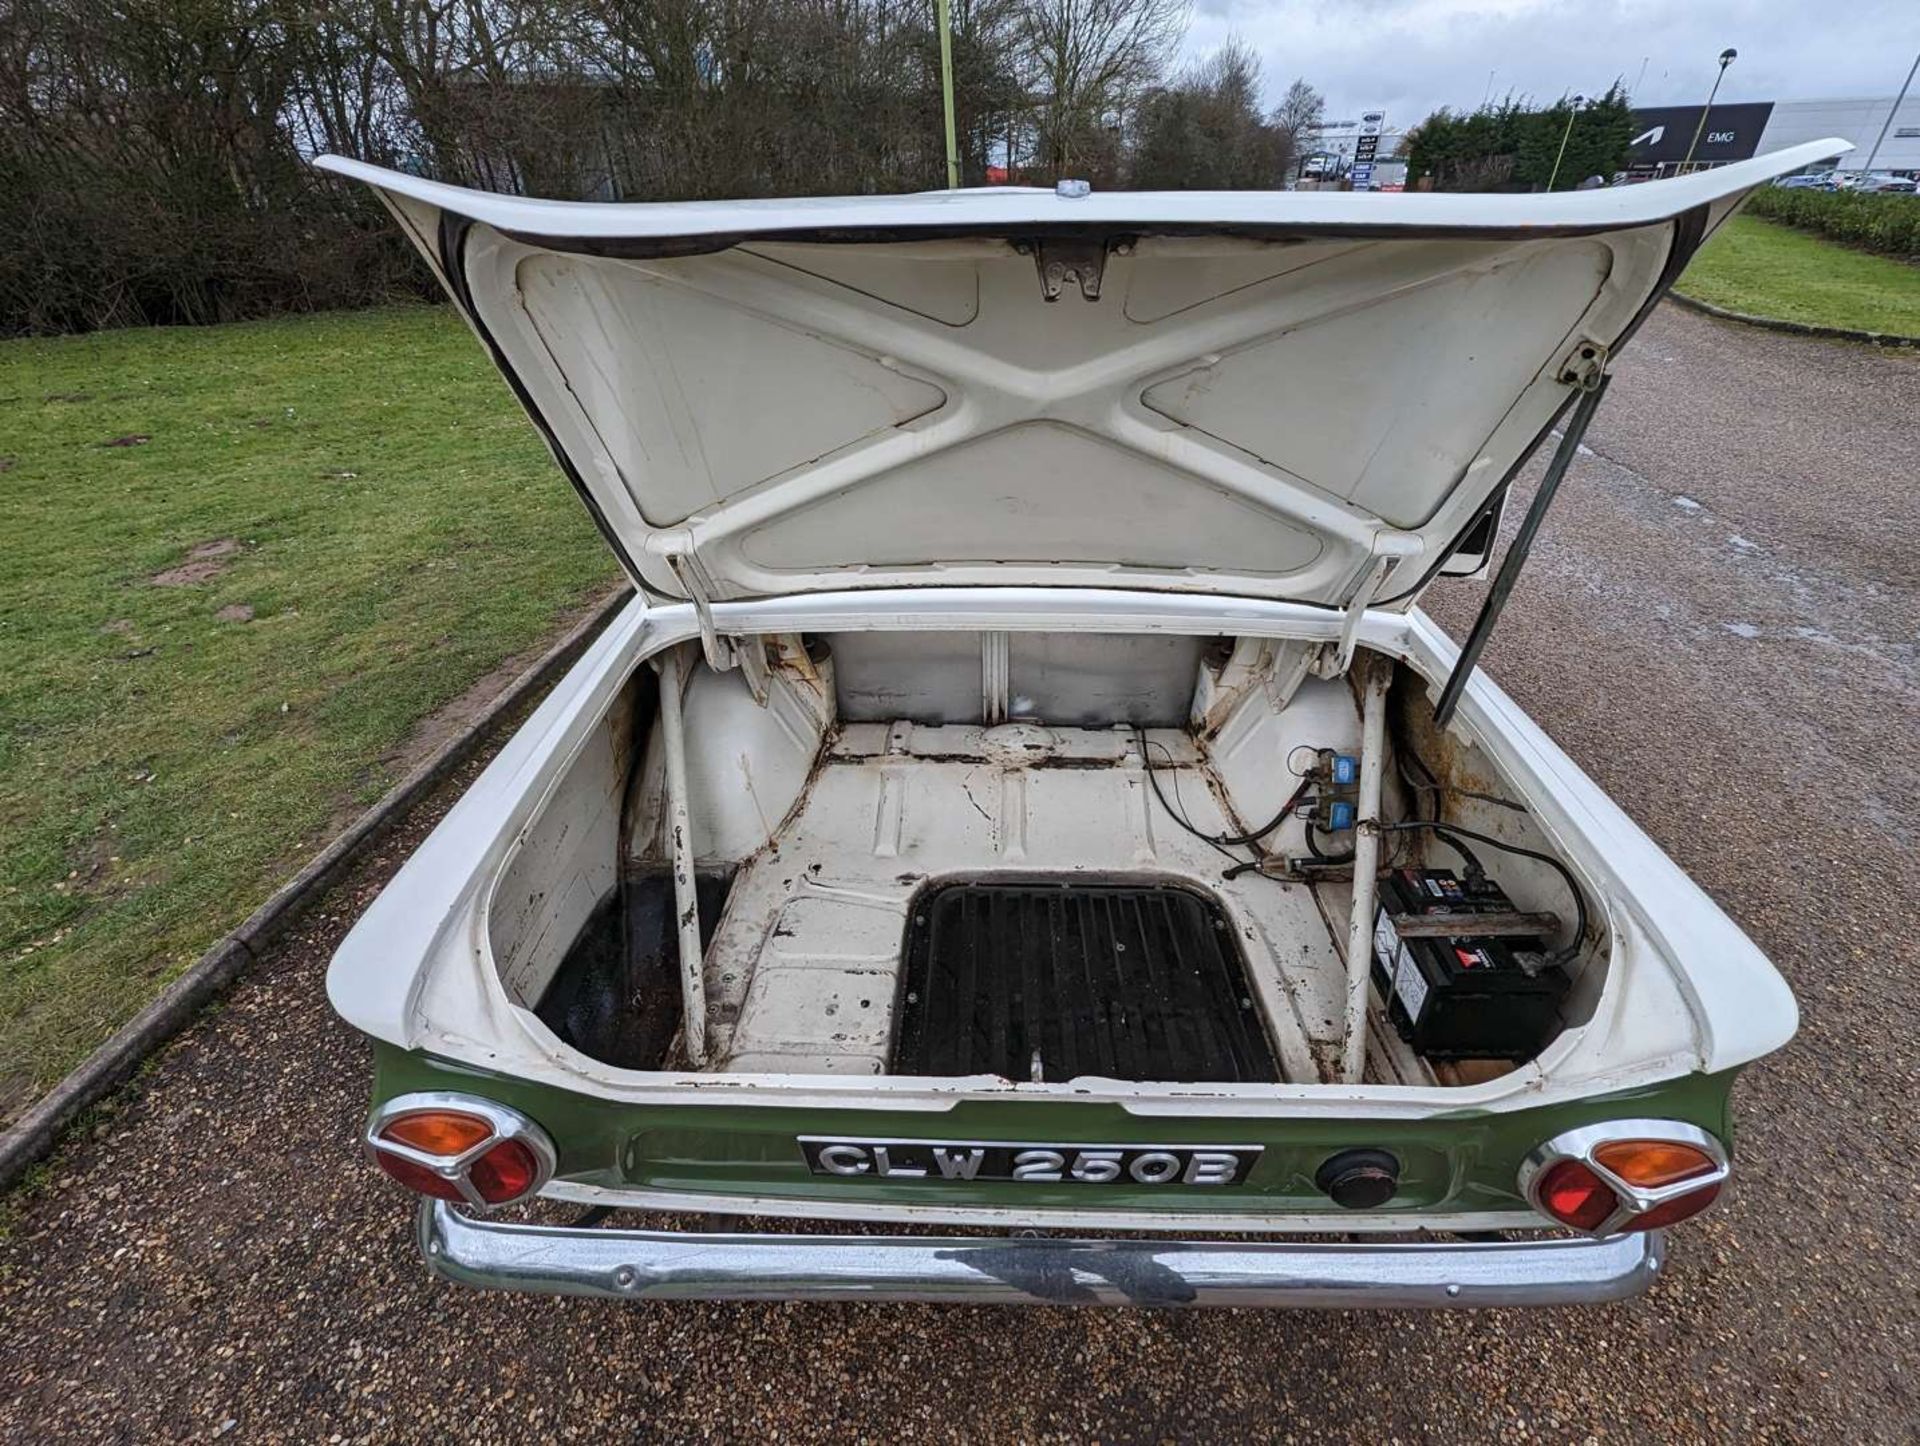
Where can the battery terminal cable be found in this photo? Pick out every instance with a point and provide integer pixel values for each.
(1452, 835)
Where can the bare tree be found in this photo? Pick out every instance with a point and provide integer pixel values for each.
(1297, 118)
(1087, 61)
(153, 153)
(1205, 131)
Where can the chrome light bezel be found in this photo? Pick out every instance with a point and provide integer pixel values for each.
(1632, 1201)
(507, 1124)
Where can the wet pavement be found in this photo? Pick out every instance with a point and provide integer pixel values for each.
(1719, 623)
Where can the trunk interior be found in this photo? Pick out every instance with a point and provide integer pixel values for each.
(1033, 857)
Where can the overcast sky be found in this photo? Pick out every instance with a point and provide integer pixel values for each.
(1410, 57)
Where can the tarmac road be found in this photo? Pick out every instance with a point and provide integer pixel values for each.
(1719, 623)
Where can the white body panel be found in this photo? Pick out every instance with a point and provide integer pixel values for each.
(1264, 394)
(1685, 990)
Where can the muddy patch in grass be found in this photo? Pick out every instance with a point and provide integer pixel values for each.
(132, 439)
(235, 613)
(202, 564)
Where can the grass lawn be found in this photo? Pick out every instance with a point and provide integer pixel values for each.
(1766, 269)
(240, 565)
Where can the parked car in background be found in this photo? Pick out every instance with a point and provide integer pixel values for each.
(1877, 183)
(1807, 181)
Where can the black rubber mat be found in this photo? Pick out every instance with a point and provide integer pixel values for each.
(1125, 980)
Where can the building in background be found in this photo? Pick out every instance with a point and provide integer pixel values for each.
(1738, 130)
(1330, 154)
(1859, 121)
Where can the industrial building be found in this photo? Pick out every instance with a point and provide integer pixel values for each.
(1739, 129)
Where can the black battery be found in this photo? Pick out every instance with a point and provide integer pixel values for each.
(1465, 995)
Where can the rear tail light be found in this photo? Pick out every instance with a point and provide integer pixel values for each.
(455, 1147)
(1574, 1195)
(1625, 1176)
(506, 1172)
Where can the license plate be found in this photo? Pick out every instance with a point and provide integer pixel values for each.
(964, 1160)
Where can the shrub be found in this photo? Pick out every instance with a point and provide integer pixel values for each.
(1889, 225)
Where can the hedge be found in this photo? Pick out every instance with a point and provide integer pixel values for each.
(1889, 225)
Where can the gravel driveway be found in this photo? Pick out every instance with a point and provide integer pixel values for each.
(1719, 623)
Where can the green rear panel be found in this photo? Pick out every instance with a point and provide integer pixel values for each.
(1464, 1161)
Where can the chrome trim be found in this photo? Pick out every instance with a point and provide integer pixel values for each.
(1632, 1200)
(507, 1124)
(987, 1270)
(968, 1142)
(947, 1212)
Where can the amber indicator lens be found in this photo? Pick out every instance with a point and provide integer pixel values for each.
(1574, 1195)
(438, 1132)
(1653, 1164)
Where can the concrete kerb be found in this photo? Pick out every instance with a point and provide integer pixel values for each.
(33, 1136)
(1796, 328)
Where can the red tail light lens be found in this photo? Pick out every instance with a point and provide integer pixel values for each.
(418, 1178)
(1672, 1212)
(1574, 1195)
(506, 1172)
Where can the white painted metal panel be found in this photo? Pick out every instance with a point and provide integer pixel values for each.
(1684, 989)
(1265, 393)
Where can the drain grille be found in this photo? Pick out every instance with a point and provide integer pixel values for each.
(1127, 981)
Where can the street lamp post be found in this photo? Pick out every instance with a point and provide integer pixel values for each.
(1727, 57)
(942, 20)
(1572, 111)
(1874, 154)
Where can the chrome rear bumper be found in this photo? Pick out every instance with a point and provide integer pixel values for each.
(669, 1265)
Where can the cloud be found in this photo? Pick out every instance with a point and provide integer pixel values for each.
(1412, 56)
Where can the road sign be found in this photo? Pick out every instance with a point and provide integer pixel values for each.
(1366, 148)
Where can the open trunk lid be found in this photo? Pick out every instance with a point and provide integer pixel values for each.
(1309, 397)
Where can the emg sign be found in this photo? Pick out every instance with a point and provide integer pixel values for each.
(1662, 133)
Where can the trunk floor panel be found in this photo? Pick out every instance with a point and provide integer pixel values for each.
(1045, 979)
(804, 975)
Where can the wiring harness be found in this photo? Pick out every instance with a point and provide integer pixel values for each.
(1451, 834)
